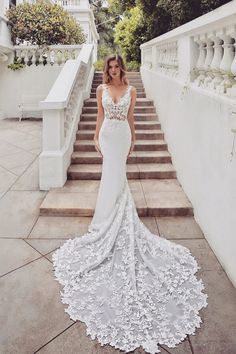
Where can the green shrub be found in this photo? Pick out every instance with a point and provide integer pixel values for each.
(99, 65)
(132, 65)
(43, 23)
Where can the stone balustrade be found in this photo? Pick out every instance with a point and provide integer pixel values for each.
(206, 53)
(61, 113)
(66, 3)
(47, 55)
(162, 57)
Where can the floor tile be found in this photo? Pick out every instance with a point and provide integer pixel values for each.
(10, 162)
(44, 246)
(75, 341)
(15, 253)
(178, 227)
(7, 179)
(60, 227)
(181, 348)
(31, 308)
(217, 332)
(29, 180)
(18, 212)
(201, 250)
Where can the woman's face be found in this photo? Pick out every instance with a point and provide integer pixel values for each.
(114, 69)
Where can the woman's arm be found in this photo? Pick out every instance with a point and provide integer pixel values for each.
(100, 116)
(131, 117)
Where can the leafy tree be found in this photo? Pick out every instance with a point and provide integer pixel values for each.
(43, 23)
(105, 23)
(119, 7)
(128, 34)
(209, 5)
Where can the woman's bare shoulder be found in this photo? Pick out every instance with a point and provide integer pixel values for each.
(100, 87)
(99, 90)
(133, 88)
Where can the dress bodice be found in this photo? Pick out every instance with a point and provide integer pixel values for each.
(119, 110)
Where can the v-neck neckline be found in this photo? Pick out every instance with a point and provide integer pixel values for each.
(116, 103)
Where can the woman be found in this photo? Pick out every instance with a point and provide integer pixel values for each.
(132, 288)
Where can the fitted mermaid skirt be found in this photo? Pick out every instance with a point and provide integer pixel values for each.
(131, 287)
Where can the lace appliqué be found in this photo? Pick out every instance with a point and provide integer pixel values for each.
(132, 288)
(117, 110)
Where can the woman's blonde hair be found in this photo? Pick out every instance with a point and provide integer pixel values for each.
(106, 77)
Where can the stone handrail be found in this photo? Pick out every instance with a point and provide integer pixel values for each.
(52, 54)
(61, 113)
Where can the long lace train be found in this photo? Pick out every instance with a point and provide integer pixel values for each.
(131, 287)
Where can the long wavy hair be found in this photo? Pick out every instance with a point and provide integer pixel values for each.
(107, 79)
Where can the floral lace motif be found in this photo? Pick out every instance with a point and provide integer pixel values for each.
(131, 287)
(117, 110)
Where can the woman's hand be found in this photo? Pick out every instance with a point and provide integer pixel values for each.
(131, 147)
(97, 146)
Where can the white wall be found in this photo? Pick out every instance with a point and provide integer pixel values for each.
(31, 80)
(198, 132)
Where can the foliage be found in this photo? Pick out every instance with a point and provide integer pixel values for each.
(132, 66)
(16, 66)
(104, 50)
(105, 27)
(128, 34)
(99, 65)
(209, 5)
(117, 6)
(43, 23)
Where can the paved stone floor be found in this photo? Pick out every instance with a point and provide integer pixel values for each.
(32, 316)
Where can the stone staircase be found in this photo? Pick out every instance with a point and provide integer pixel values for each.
(151, 175)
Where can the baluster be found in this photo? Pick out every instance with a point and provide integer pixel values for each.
(215, 64)
(225, 65)
(231, 91)
(201, 60)
(52, 56)
(58, 57)
(45, 56)
(22, 54)
(34, 56)
(30, 56)
(208, 61)
(176, 61)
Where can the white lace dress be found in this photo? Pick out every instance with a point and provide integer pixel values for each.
(131, 287)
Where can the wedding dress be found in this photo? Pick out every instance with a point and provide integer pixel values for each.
(131, 287)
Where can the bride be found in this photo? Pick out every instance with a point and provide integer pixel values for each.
(131, 287)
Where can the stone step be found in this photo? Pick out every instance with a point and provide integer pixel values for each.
(140, 145)
(137, 85)
(140, 135)
(130, 74)
(134, 171)
(139, 95)
(132, 81)
(164, 197)
(148, 125)
(91, 102)
(84, 157)
(137, 109)
(138, 117)
(139, 90)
